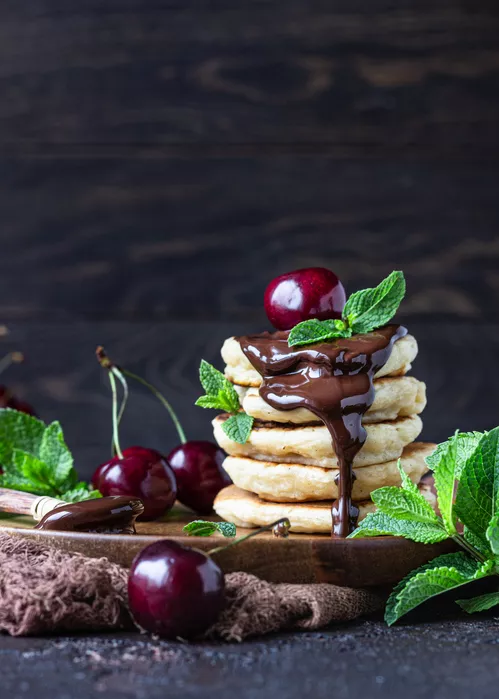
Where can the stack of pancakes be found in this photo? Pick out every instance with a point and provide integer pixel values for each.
(288, 467)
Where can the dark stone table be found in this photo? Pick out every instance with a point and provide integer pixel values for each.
(443, 660)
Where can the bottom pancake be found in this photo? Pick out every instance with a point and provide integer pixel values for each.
(247, 510)
(279, 482)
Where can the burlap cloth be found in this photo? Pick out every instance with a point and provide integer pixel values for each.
(44, 590)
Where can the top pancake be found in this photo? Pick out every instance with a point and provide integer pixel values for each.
(240, 371)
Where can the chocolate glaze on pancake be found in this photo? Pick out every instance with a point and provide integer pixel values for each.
(111, 515)
(334, 380)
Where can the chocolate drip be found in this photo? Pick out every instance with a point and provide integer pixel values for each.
(334, 380)
(111, 515)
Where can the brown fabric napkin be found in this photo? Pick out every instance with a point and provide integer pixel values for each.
(45, 590)
(256, 607)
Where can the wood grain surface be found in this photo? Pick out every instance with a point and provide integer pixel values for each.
(378, 74)
(200, 238)
(164, 160)
(300, 558)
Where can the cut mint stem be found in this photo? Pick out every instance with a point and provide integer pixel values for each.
(268, 527)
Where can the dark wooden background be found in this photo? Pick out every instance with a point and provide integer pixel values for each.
(162, 160)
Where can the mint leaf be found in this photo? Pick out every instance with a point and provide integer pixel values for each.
(35, 458)
(16, 481)
(81, 491)
(215, 383)
(401, 504)
(308, 332)
(201, 527)
(210, 402)
(220, 393)
(222, 401)
(381, 524)
(55, 453)
(404, 504)
(371, 308)
(443, 573)
(467, 442)
(18, 430)
(238, 427)
(492, 535)
(480, 603)
(478, 491)
(407, 484)
(34, 470)
(444, 474)
(480, 543)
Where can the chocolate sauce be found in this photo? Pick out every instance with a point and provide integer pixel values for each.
(110, 515)
(334, 380)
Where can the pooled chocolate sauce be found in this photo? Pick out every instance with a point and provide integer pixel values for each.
(334, 380)
(110, 515)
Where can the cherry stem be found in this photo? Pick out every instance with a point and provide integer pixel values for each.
(116, 441)
(124, 400)
(120, 373)
(124, 384)
(11, 358)
(268, 527)
(162, 399)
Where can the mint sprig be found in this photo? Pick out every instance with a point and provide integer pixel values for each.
(466, 473)
(35, 458)
(221, 395)
(364, 311)
(201, 527)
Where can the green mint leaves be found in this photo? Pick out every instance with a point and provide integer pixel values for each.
(371, 308)
(311, 331)
(36, 459)
(200, 527)
(440, 575)
(466, 474)
(221, 395)
(364, 311)
(402, 512)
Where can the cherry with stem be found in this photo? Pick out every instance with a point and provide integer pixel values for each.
(136, 471)
(176, 591)
(197, 464)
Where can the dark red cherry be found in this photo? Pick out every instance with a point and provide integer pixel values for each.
(175, 591)
(9, 400)
(314, 292)
(197, 466)
(141, 473)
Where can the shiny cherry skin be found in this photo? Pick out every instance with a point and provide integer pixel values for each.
(313, 292)
(142, 473)
(9, 400)
(175, 591)
(197, 466)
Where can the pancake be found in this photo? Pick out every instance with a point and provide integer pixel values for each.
(312, 444)
(298, 483)
(247, 510)
(240, 371)
(395, 397)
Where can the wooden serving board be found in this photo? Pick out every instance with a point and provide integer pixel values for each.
(301, 558)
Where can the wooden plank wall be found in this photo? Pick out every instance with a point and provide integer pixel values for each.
(161, 161)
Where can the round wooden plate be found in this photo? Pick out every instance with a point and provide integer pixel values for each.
(301, 558)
